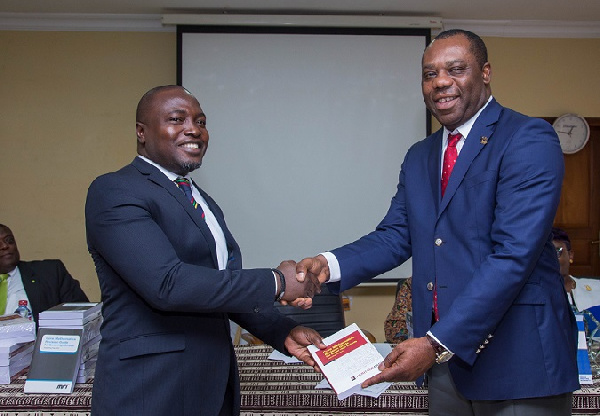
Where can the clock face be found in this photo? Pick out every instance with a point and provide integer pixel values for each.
(573, 132)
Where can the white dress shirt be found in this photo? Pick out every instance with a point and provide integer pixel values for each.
(15, 292)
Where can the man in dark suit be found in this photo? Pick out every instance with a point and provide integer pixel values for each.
(171, 277)
(41, 283)
(492, 324)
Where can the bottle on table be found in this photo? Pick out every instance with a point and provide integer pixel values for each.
(24, 310)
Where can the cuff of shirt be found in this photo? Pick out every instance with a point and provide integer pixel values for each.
(335, 275)
(276, 282)
(439, 342)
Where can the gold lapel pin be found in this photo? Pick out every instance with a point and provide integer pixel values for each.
(483, 140)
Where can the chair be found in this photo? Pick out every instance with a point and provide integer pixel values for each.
(326, 316)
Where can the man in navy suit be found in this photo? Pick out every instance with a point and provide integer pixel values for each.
(492, 325)
(171, 277)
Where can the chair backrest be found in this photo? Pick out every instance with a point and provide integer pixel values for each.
(325, 316)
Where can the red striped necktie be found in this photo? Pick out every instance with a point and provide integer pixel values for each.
(186, 187)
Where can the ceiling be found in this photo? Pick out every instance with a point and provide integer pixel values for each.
(543, 10)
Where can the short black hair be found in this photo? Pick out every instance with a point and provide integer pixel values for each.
(478, 48)
(559, 234)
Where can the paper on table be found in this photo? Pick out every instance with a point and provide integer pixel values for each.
(278, 356)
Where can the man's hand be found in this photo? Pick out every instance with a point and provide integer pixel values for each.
(297, 341)
(408, 361)
(293, 288)
(302, 303)
(315, 269)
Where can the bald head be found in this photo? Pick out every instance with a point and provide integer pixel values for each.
(148, 100)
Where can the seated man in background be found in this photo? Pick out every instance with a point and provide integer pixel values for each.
(394, 326)
(42, 283)
(583, 293)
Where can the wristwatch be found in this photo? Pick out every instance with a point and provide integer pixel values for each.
(442, 355)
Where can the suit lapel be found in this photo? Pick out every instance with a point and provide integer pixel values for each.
(160, 179)
(478, 138)
(29, 283)
(434, 167)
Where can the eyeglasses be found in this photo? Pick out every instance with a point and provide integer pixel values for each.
(559, 251)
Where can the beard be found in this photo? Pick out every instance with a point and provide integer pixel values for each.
(190, 166)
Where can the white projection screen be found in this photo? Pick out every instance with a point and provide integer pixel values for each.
(308, 129)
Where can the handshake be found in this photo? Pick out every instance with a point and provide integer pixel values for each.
(303, 280)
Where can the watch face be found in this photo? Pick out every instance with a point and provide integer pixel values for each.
(573, 132)
(443, 357)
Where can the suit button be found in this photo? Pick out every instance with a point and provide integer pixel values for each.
(438, 242)
(430, 286)
(256, 309)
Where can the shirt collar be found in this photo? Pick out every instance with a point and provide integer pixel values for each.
(172, 176)
(466, 127)
(13, 272)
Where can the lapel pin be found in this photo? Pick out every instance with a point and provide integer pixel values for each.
(483, 140)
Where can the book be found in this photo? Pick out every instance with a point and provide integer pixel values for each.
(9, 371)
(90, 329)
(8, 345)
(348, 360)
(16, 354)
(55, 361)
(90, 349)
(15, 329)
(78, 311)
(86, 373)
(67, 323)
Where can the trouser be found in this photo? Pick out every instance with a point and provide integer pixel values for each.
(445, 400)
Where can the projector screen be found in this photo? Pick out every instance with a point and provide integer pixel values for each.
(308, 129)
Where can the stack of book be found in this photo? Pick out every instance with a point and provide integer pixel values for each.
(17, 336)
(66, 348)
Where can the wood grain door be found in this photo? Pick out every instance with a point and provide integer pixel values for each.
(579, 210)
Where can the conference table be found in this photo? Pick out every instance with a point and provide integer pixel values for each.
(268, 388)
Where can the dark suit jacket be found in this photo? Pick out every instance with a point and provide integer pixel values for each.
(166, 347)
(502, 304)
(47, 284)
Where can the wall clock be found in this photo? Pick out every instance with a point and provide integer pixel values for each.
(573, 132)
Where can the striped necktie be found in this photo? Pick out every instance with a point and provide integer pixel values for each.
(3, 292)
(186, 187)
(450, 156)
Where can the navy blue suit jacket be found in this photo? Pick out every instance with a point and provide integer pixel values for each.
(502, 304)
(166, 347)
